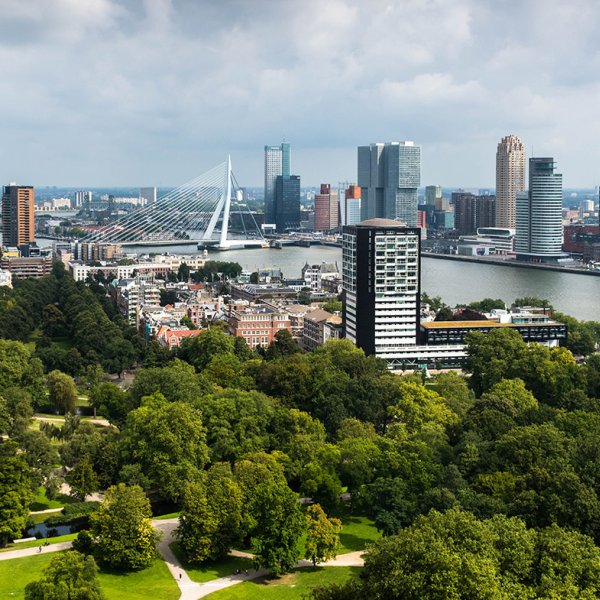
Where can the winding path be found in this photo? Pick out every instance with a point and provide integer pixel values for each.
(191, 590)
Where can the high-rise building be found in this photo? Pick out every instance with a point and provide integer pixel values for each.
(472, 212)
(539, 234)
(351, 211)
(17, 215)
(148, 194)
(431, 193)
(510, 179)
(389, 175)
(82, 199)
(326, 209)
(381, 282)
(277, 162)
(287, 202)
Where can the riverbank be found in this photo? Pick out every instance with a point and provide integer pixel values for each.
(511, 263)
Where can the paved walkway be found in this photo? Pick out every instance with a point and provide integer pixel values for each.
(35, 550)
(191, 590)
(45, 512)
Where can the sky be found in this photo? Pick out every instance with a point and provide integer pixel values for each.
(156, 92)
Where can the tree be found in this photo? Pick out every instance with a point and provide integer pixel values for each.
(322, 535)
(82, 479)
(453, 555)
(283, 345)
(54, 323)
(62, 392)
(211, 515)
(69, 576)
(40, 455)
(123, 534)
(168, 441)
(333, 306)
(272, 517)
(488, 304)
(110, 401)
(200, 350)
(15, 492)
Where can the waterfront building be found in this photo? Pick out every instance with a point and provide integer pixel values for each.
(389, 175)
(83, 199)
(510, 179)
(351, 211)
(287, 203)
(381, 279)
(277, 163)
(539, 229)
(17, 215)
(472, 212)
(147, 195)
(326, 209)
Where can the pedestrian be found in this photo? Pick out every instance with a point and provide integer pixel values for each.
(179, 576)
(39, 548)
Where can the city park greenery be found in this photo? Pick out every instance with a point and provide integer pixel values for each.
(484, 486)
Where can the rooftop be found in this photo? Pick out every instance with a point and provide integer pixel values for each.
(381, 223)
(457, 324)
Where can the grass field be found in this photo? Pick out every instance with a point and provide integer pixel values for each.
(41, 502)
(357, 532)
(153, 582)
(292, 586)
(36, 543)
(173, 515)
(212, 570)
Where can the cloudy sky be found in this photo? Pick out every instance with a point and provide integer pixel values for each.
(155, 92)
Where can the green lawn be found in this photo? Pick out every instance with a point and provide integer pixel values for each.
(293, 586)
(357, 532)
(173, 515)
(41, 502)
(214, 569)
(36, 543)
(153, 582)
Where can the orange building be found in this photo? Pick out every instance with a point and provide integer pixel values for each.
(17, 215)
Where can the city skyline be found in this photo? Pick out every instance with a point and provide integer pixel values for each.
(117, 92)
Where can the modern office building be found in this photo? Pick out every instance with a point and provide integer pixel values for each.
(327, 209)
(510, 179)
(287, 203)
(17, 215)
(389, 175)
(472, 212)
(83, 199)
(148, 194)
(351, 210)
(381, 283)
(539, 229)
(431, 193)
(277, 163)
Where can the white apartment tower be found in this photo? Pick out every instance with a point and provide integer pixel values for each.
(510, 179)
(381, 282)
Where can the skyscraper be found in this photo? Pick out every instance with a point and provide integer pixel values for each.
(351, 210)
(381, 281)
(82, 199)
(148, 194)
(287, 202)
(17, 215)
(431, 193)
(510, 179)
(539, 234)
(389, 175)
(327, 209)
(277, 162)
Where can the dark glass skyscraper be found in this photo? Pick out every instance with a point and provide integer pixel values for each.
(277, 163)
(287, 202)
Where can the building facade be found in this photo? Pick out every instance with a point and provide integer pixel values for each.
(381, 279)
(83, 199)
(389, 175)
(277, 163)
(17, 215)
(352, 202)
(287, 202)
(257, 324)
(510, 179)
(148, 195)
(327, 212)
(472, 212)
(539, 229)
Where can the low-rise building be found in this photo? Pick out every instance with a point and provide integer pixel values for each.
(320, 326)
(257, 323)
(25, 267)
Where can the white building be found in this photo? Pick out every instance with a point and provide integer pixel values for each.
(381, 262)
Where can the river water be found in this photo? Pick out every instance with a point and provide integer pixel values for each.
(456, 282)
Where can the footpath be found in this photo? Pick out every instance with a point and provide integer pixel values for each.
(191, 590)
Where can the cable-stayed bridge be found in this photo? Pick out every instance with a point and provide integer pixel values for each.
(198, 211)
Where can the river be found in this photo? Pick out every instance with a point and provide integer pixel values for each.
(456, 282)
